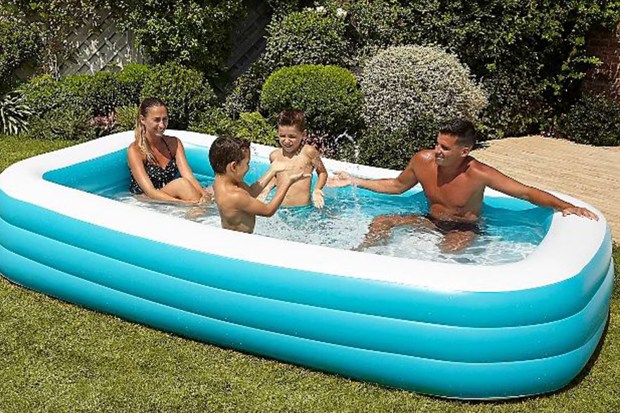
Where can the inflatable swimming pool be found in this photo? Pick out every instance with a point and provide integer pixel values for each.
(464, 331)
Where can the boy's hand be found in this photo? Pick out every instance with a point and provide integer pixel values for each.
(318, 198)
(339, 180)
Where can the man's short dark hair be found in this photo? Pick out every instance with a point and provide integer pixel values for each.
(227, 149)
(464, 131)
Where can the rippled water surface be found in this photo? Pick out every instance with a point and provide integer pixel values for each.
(507, 235)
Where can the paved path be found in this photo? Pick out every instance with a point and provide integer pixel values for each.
(585, 172)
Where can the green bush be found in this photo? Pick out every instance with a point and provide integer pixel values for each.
(100, 93)
(126, 117)
(42, 94)
(131, 80)
(20, 42)
(184, 91)
(245, 93)
(64, 123)
(193, 33)
(250, 125)
(593, 120)
(328, 95)
(308, 37)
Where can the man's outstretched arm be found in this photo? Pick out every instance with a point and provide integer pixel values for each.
(406, 180)
(500, 182)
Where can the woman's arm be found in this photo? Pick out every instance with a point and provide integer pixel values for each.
(135, 160)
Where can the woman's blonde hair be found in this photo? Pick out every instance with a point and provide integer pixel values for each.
(140, 131)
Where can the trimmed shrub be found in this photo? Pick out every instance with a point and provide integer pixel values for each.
(42, 94)
(408, 92)
(250, 125)
(328, 95)
(593, 120)
(183, 90)
(131, 80)
(62, 123)
(126, 117)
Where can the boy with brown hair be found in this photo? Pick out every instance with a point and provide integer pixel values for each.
(236, 200)
(299, 157)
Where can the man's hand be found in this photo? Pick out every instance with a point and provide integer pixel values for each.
(318, 198)
(339, 180)
(579, 211)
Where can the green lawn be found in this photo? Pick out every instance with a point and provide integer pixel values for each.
(57, 357)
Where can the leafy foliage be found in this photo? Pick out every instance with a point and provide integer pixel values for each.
(249, 125)
(14, 114)
(311, 36)
(408, 91)
(530, 55)
(193, 33)
(328, 95)
(62, 123)
(54, 21)
(184, 91)
(20, 42)
(593, 120)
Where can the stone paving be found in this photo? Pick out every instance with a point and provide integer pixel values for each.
(589, 173)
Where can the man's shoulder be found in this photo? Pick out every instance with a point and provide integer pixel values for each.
(424, 156)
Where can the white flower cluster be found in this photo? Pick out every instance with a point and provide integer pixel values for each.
(408, 84)
(340, 12)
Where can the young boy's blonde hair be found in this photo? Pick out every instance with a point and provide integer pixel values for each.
(292, 117)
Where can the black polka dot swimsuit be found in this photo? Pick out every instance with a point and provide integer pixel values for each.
(159, 176)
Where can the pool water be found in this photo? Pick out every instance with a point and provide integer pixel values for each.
(510, 229)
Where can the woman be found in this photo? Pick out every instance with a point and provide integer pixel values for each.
(156, 161)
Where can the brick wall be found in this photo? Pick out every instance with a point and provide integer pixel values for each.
(605, 78)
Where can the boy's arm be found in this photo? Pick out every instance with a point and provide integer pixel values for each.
(317, 164)
(257, 187)
(253, 206)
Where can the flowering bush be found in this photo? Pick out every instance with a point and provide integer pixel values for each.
(408, 91)
(407, 83)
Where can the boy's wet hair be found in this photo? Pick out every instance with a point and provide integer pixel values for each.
(463, 129)
(292, 117)
(227, 149)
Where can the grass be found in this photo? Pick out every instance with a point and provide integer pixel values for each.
(57, 357)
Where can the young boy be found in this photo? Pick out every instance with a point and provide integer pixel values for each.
(236, 201)
(298, 157)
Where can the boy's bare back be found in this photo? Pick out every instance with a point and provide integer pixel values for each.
(231, 199)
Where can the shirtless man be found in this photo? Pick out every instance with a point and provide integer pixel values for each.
(236, 200)
(298, 157)
(453, 182)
